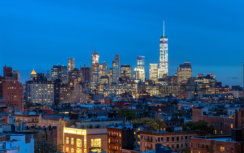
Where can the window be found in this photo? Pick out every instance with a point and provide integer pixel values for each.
(78, 143)
(173, 139)
(167, 138)
(72, 150)
(162, 138)
(185, 137)
(67, 149)
(84, 143)
(222, 148)
(96, 142)
(67, 140)
(72, 141)
(78, 150)
(231, 125)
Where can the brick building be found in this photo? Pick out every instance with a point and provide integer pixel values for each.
(222, 124)
(177, 141)
(120, 138)
(11, 89)
(218, 144)
(232, 143)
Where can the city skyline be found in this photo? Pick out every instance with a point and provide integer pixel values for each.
(137, 33)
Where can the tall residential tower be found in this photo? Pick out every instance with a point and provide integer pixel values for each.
(71, 64)
(139, 71)
(94, 70)
(163, 55)
(115, 69)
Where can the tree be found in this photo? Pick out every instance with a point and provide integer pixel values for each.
(152, 124)
(200, 126)
(127, 114)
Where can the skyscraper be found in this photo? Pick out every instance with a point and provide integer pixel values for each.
(86, 72)
(126, 71)
(71, 64)
(103, 70)
(60, 72)
(184, 72)
(153, 72)
(115, 69)
(139, 71)
(163, 55)
(94, 70)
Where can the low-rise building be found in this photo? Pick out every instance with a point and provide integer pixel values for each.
(177, 141)
(120, 137)
(216, 144)
(16, 143)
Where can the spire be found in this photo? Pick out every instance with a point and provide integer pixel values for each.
(33, 72)
(163, 28)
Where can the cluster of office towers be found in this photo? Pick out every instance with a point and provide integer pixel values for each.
(98, 74)
(157, 70)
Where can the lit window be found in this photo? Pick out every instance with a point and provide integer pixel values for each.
(67, 140)
(72, 141)
(67, 149)
(72, 150)
(231, 125)
(78, 143)
(85, 143)
(222, 148)
(95, 142)
(78, 150)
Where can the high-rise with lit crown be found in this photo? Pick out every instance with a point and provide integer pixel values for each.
(139, 71)
(163, 55)
(115, 69)
(153, 72)
(94, 70)
(71, 64)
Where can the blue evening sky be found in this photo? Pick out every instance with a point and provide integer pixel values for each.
(40, 33)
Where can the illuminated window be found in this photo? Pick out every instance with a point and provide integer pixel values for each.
(72, 150)
(231, 125)
(95, 142)
(215, 131)
(78, 150)
(84, 150)
(222, 148)
(67, 149)
(72, 141)
(67, 140)
(78, 143)
(85, 143)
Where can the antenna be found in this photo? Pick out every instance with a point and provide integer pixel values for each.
(163, 28)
